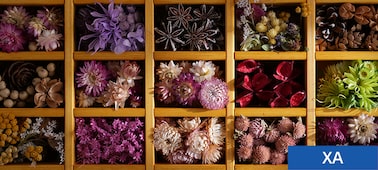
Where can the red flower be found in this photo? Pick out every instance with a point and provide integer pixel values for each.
(252, 87)
(247, 66)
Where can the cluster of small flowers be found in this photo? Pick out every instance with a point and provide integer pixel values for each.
(190, 140)
(263, 30)
(116, 83)
(189, 84)
(349, 131)
(22, 139)
(24, 82)
(187, 29)
(260, 143)
(256, 87)
(112, 141)
(19, 29)
(117, 28)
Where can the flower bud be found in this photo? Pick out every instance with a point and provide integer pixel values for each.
(5, 92)
(23, 95)
(43, 73)
(8, 103)
(2, 85)
(51, 67)
(14, 95)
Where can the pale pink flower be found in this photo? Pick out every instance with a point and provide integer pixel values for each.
(180, 157)
(211, 154)
(257, 127)
(197, 142)
(164, 91)
(213, 94)
(129, 72)
(242, 123)
(167, 139)
(299, 129)
(285, 125)
(244, 153)
(261, 154)
(246, 140)
(188, 125)
(84, 100)
(116, 94)
(203, 70)
(277, 157)
(49, 40)
(272, 135)
(216, 131)
(283, 143)
(170, 71)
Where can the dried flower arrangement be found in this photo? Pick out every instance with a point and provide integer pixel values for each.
(111, 140)
(189, 27)
(346, 27)
(359, 130)
(256, 88)
(195, 84)
(33, 28)
(190, 140)
(349, 84)
(260, 27)
(259, 142)
(31, 84)
(24, 139)
(108, 83)
(110, 27)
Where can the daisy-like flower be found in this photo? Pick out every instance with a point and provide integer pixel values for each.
(117, 94)
(49, 40)
(35, 27)
(51, 18)
(213, 94)
(16, 16)
(11, 38)
(93, 76)
(203, 70)
(197, 142)
(332, 131)
(84, 100)
(167, 139)
(164, 91)
(211, 154)
(129, 72)
(169, 72)
(216, 131)
(185, 89)
(362, 129)
(189, 124)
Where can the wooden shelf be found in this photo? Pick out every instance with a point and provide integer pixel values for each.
(270, 112)
(108, 167)
(132, 2)
(34, 112)
(189, 112)
(326, 112)
(108, 55)
(346, 55)
(344, 1)
(260, 167)
(269, 55)
(213, 2)
(39, 166)
(33, 2)
(109, 112)
(189, 55)
(191, 166)
(278, 1)
(32, 55)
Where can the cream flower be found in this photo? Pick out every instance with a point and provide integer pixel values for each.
(212, 154)
(362, 129)
(188, 124)
(170, 71)
(216, 131)
(84, 100)
(197, 142)
(166, 138)
(203, 70)
(117, 94)
(49, 40)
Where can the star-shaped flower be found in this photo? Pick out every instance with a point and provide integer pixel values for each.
(169, 35)
(180, 16)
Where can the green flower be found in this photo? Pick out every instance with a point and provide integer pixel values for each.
(333, 94)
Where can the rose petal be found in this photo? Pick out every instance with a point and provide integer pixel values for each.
(265, 95)
(259, 81)
(283, 89)
(284, 70)
(247, 66)
(295, 86)
(297, 98)
(247, 84)
(279, 101)
(244, 98)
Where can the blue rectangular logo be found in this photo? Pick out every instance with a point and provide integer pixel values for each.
(333, 158)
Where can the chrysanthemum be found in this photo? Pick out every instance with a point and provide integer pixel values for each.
(35, 27)
(211, 154)
(362, 129)
(203, 70)
(16, 16)
(49, 40)
(277, 157)
(51, 18)
(244, 153)
(332, 131)
(11, 38)
(197, 142)
(185, 89)
(257, 127)
(216, 131)
(84, 100)
(170, 71)
(242, 123)
(167, 139)
(285, 125)
(93, 77)
(164, 91)
(246, 140)
(189, 124)
(116, 94)
(261, 154)
(283, 143)
(213, 94)
(129, 72)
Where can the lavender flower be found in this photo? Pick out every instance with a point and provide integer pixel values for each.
(93, 77)
(213, 94)
(16, 16)
(11, 38)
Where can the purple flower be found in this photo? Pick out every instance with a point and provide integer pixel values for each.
(332, 131)
(213, 94)
(11, 38)
(93, 76)
(185, 88)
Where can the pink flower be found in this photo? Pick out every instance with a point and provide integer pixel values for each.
(180, 157)
(164, 91)
(299, 129)
(11, 38)
(242, 123)
(285, 125)
(261, 154)
(277, 157)
(49, 40)
(246, 140)
(129, 72)
(93, 77)
(185, 89)
(117, 94)
(213, 94)
(283, 143)
(257, 128)
(272, 135)
(332, 131)
(212, 154)
(244, 153)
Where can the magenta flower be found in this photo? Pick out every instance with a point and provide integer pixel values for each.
(253, 86)
(213, 94)
(93, 76)
(11, 38)
(186, 88)
(332, 131)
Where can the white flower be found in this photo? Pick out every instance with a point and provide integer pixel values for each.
(203, 70)
(362, 129)
(166, 138)
(216, 131)
(188, 124)
(197, 142)
(49, 40)
(212, 154)
(170, 71)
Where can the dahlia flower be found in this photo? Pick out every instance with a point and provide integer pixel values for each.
(117, 93)
(244, 153)
(242, 123)
(93, 76)
(213, 94)
(203, 70)
(129, 72)
(197, 142)
(16, 16)
(283, 143)
(49, 40)
(164, 91)
(216, 131)
(332, 131)
(261, 154)
(277, 157)
(257, 127)
(188, 125)
(170, 71)
(167, 139)
(11, 38)
(211, 154)
(362, 129)
(185, 89)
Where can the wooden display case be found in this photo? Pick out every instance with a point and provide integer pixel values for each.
(230, 55)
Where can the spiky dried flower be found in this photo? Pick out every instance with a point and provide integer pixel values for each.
(203, 70)
(213, 94)
(49, 40)
(93, 76)
(168, 71)
(186, 89)
(362, 129)
(242, 123)
(167, 139)
(15, 15)
(261, 154)
(11, 38)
